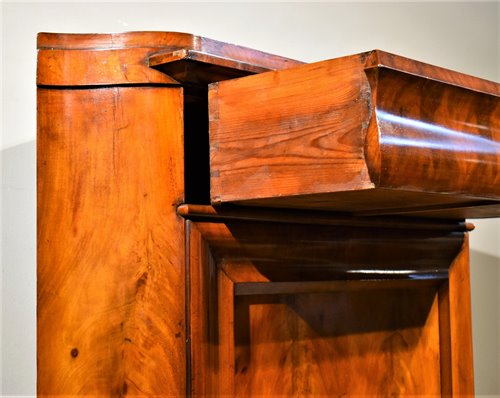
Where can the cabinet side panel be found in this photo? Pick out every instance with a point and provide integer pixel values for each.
(457, 373)
(462, 371)
(110, 263)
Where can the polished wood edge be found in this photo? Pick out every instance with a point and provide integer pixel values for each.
(211, 213)
(272, 288)
(94, 41)
(166, 41)
(138, 57)
(250, 280)
(383, 59)
(455, 328)
(203, 57)
(429, 209)
(469, 227)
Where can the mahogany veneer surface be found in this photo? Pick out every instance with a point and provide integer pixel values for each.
(145, 290)
(110, 246)
(111, 144)
(372, 133)
(274, 311)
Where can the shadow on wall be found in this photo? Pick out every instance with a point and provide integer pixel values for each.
(18, 183)
(485, 280)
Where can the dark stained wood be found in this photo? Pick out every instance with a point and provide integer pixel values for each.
(228, 212)
(273, 334)
(369, 134)
(189, 66)
(320, 252)
(382, 59)
(110, 245)
(437, 138)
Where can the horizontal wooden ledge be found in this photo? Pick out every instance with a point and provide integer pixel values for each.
(241, 213)
(420, 279)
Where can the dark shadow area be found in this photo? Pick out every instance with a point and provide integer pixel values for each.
(288, 252)
(196, 152)
(338, 313)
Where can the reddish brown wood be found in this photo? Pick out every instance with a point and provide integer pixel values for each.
(128, 58)
(111, 264)
(240, 301)
(110, 246)
(78, 68)
(284, 138)
(456, 329)
(272, 334)
(369, 134)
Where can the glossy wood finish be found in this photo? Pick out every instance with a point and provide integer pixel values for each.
(110, 246)
(129, 58)
(133, 299)
(369, 134)
(239, 213)
(456, 329)
(259, 330)
(112, 133)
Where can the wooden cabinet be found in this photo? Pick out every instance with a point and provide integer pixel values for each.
(298, 232)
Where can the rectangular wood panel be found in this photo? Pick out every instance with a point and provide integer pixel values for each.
(311, 311)
(110, 245)
(355, 343)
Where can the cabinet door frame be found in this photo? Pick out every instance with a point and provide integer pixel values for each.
(225, 261)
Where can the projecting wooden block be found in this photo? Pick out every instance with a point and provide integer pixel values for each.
(372, 133)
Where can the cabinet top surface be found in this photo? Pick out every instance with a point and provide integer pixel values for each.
(160, 41)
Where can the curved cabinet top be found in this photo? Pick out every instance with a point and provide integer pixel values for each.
(145, 58)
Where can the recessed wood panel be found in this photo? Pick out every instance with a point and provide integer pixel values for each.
(266, 322)
(372, 342)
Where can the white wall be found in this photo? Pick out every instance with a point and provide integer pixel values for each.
(460, 36)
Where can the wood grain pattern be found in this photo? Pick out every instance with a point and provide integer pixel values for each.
(78, 68)
(437, 138)
(282, 135)
(129, 58)
(367, 343)
(135, 300)
(382, 59)
(164, 42)
(273, 334)
(369, 134)
(111, 151)
(456, 328)
(110, 245)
